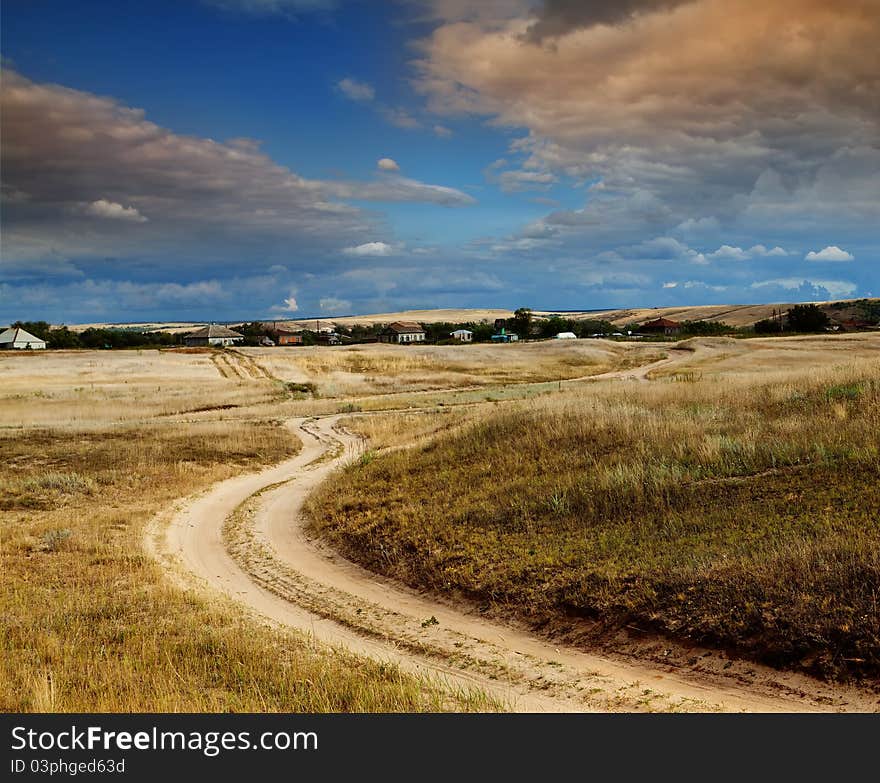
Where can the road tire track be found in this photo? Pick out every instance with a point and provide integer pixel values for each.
(246, 538)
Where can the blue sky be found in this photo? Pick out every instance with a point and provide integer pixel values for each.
(233, 159)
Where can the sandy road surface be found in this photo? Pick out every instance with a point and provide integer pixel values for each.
(246, 538)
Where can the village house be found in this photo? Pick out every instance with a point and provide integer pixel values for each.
(462, 335)
(852, 325)
(661, 326)
(287, 337)
(213, 335)
(328, 338)
(19, 339)
(566, 336)
(505, 337)
(402, 332)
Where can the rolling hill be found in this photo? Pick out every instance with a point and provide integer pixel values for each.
(734, 315)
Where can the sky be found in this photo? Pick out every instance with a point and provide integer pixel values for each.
(247, 159)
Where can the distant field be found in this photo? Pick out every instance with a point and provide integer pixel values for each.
(103, 388)
(733, 501)
(733, 315)
(363, 370)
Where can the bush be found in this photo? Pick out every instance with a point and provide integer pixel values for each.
(768, 326)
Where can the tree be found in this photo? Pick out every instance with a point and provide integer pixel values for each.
(482, 332)
(807, 318)
(36, 328)
(522, 321)
(706, 327)
(253, 332)
(591, 326)
(768, 326)
(550, 327)
(63, 338)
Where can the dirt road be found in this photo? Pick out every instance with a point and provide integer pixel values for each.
(246, 538)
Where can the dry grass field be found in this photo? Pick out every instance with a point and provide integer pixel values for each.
(730, 500)
(84, 389)
(734, 501)
(365, 370)
(91, 452)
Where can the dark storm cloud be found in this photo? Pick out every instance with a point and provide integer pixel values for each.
(558, 17)
(86, 175)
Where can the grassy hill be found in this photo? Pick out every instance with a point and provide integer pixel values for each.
(734, 315)
(734, 508)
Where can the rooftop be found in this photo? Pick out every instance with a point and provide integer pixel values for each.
(405, 327)
(214, 330)
(665, 322)
(17, 334)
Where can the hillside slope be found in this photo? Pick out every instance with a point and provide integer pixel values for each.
(734, 315)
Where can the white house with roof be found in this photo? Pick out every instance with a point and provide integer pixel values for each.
(214, 334)
(462, 335)
(17, 338)
(566, 336)
(402, 332)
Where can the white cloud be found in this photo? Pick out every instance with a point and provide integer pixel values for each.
(516, 180)
(832, 287)
(663, 249)
(334, 306)
(830, 253)
(728, 253)
(696, 229)
(357, 91)
(396, 188)
(363, 92)
(370, 249)
(523, 244)
(442, 131)
(671, 284)
(206, 289)
(777, 251)
(113, 211)
(387, 164)
(610, 278)
(732, 253)
(289, 305)
(700, 284)
(400, 118)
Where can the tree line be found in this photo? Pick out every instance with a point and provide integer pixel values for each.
(803, 318)
(62, 337)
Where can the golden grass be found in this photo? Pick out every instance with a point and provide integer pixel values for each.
(364, 370)
(83, 389)
(729, 508)
(89, 621)
(396, 430)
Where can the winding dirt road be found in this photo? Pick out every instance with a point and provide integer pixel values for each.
(246, 538)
